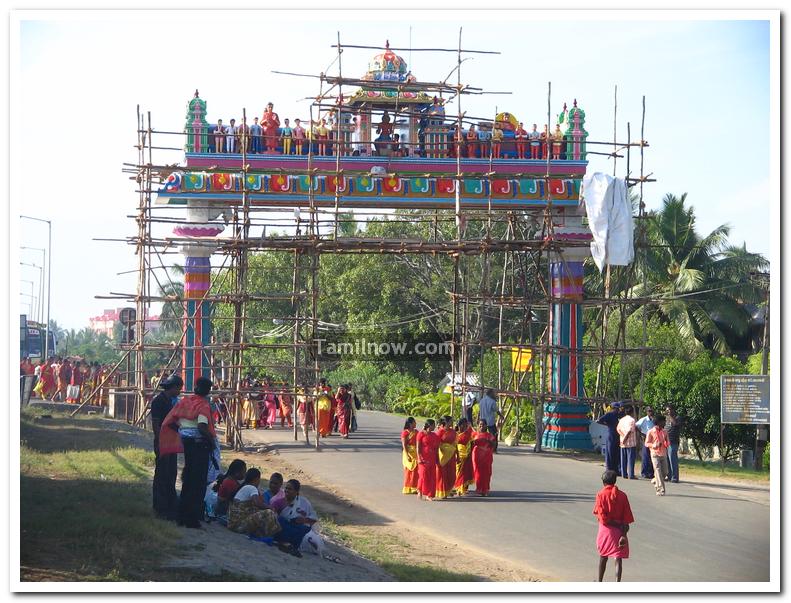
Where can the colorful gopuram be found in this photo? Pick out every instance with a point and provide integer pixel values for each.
(397, 150)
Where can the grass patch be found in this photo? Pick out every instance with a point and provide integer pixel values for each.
(85, 497)
(390, 553)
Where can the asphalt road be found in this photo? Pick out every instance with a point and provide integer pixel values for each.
(539, 513)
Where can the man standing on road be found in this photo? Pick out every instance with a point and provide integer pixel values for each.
(626, 429)
(612, 448)
(469, 400)
(488, 411)
(675, 423)
(644, 424)
(165, 498)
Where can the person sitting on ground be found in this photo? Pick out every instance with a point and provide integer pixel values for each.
(227, 485)
(248, 513)
(274, 493)
(296, 519)
(614, 514)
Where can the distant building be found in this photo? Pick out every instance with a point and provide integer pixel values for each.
(105, 322)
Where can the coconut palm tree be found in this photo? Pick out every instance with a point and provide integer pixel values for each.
(701, 282)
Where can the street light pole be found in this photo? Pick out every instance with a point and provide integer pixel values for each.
(40, 305)
(49, 277)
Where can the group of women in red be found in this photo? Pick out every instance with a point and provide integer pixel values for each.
(444, 460)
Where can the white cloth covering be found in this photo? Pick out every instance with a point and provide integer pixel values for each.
(609, 219)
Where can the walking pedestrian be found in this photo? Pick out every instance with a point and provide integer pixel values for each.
(657, 442)
(614, 513)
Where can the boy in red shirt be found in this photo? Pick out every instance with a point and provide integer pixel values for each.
(614, 514)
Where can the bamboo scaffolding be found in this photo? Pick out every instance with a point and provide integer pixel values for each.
(521, 301)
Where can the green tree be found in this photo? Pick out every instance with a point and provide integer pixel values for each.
(693, 388)
(703, 281)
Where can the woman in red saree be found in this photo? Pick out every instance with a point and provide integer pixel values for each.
(614, 514)
(464, 474)
(409, 456)
(270, 405)
(446, 466)
(343, 409)
(285, 409)
(427, 447)
(47, 380)
(482, 456)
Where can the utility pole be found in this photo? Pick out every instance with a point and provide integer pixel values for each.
(762, 431)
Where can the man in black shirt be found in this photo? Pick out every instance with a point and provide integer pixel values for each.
(674, 425)
(165, 499)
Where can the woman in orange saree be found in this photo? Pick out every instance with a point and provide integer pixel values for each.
(47, 380)
(427, 447)
(482, 456)
(464, 474)
(446, 467)
(409, 456)
(325, 406)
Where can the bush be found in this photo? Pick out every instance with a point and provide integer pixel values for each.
(378, 387)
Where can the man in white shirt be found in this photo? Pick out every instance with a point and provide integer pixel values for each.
(628, 433)
(468, 401)
(296, 518)
(644, 425)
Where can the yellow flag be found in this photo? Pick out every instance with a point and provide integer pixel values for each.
(521, 360)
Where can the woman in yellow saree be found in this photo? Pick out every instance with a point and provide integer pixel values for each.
(446, 467)
(409, 456)
(464, 473)
(325, 406)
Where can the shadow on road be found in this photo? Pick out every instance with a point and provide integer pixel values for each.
(514, 496)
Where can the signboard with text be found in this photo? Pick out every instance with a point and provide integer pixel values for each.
(744, 399)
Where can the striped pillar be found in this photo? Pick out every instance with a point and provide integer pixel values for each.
(566, 423)
(197, 325)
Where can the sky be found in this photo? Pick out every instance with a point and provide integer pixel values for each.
(77, 79)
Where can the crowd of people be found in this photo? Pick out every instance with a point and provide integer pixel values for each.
(236, 497)
(334, 411)
(70, 380)
(657, 446)
(446, 459)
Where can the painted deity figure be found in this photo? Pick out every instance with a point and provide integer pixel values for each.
(298, 135)
(545, 136)
(385, 131)
(322, 135)
(243, 133)
(520, 135)
(286, 134)
(255, 132)
(557, 142)
(270, 122)
(497, 140)
(472, 142)
(535, 143)
(219, 137)
(230, 137)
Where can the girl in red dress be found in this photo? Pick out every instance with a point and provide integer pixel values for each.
(409, 456)
(614, 514)
(464, 474)
(427, 448)
(446, 467)
(482, 457)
